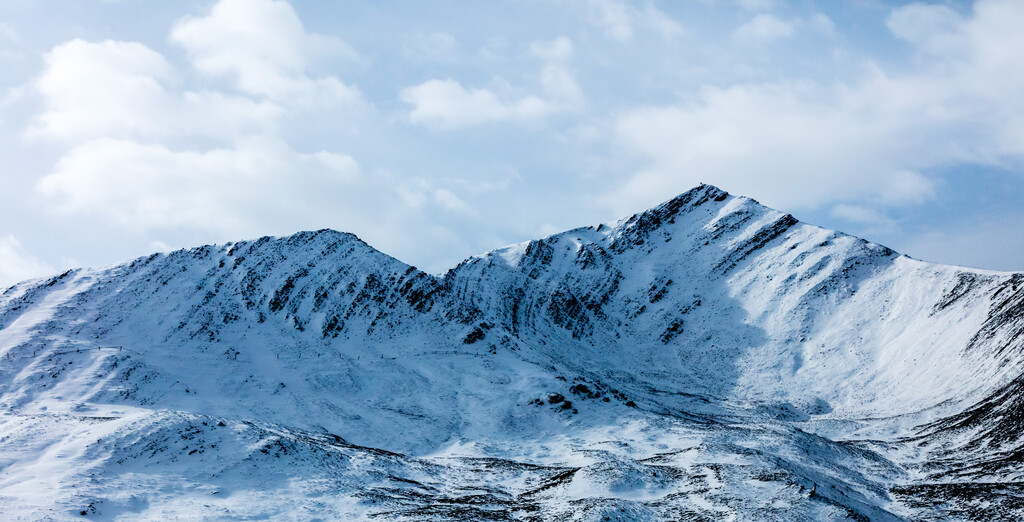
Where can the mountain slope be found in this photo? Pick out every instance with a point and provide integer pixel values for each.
(710, 357)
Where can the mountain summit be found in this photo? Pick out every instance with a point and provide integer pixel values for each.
(708, 358)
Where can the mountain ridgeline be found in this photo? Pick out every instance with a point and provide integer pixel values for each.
(708, 358)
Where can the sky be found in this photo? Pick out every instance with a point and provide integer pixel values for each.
(438, 130)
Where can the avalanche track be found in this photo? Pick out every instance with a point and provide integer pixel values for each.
(708, 359)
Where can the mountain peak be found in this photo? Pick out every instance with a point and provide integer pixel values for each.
(694, 197)
(322, 236)
(635, 229)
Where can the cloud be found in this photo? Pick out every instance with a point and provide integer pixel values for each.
(660, 22)
(804, 145)
(561, 88)
(17, 264)
(618, 19)
(780, 142)
(822, 24)
(98, 88)
(558, 50)
(262, 46)
(613, 16)
(936, 28)
(218, 149)
(453, 203)
(110, 88)
(447, 104)
(231, 190)
(906, 187)
(260, 186)
(765, 28)
(146, 154)
(243, 122)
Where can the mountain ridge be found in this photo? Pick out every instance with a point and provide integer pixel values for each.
(655, 366)
(670, 204)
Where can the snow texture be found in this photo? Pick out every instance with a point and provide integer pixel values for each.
(708, 359)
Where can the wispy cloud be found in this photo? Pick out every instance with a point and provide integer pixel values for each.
(765, 28)
(619, 20)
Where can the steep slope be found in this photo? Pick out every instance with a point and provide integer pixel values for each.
(710, 357)
(723, 296)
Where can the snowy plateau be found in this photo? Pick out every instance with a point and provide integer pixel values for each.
(708, 359)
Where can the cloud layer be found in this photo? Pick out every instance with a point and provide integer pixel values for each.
(434, 140)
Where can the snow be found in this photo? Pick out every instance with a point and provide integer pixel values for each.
(709, 357)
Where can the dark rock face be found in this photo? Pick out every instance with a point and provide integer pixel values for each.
(1005, 322)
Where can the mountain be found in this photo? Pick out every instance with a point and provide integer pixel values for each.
(710, 358)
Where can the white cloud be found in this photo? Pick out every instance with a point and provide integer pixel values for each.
(801, 145)
(262, 46)
(231, 190)
(260, 186)
(232, 116)
(765, 28)
(96, 89)
(447, 104)
(147, 155)
(17, 264)
(778, 141)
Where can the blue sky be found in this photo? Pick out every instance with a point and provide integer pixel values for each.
(437, 130)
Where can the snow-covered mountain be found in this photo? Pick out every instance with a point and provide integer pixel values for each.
(707, 359)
